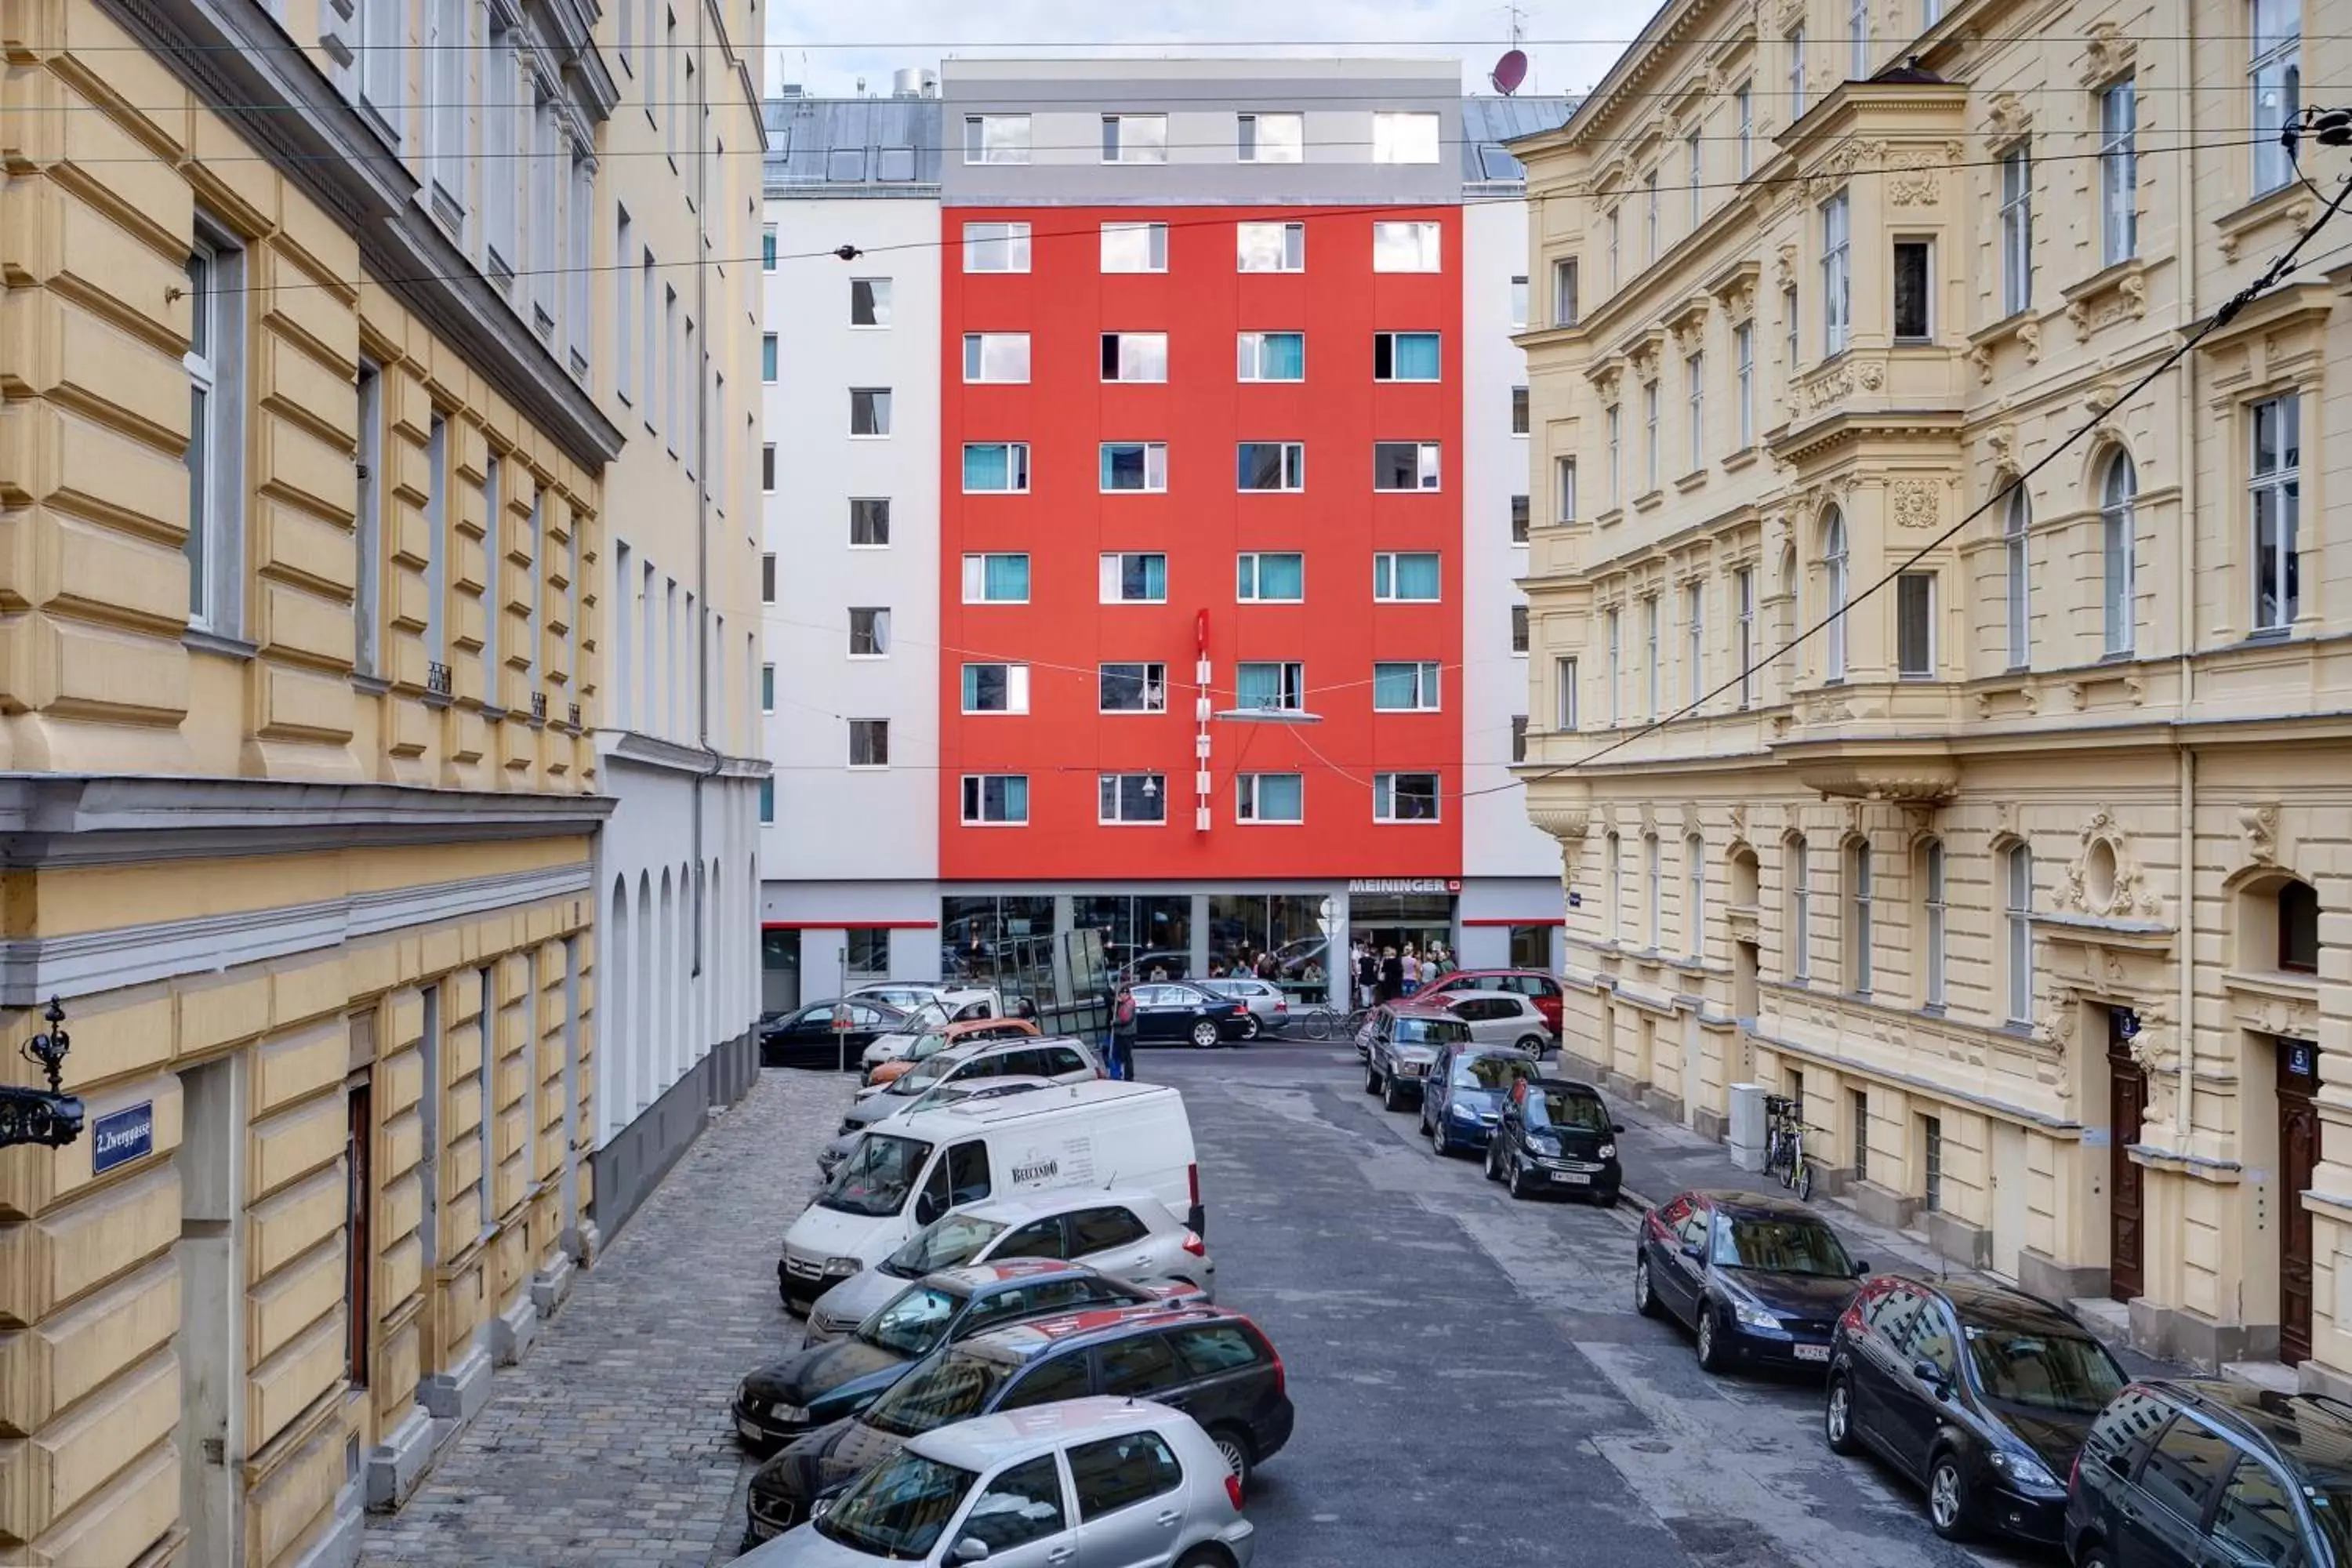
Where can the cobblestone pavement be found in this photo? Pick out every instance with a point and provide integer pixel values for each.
(611, 1444)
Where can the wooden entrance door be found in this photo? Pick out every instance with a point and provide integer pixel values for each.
(2127, 1104)
(2298, 1141)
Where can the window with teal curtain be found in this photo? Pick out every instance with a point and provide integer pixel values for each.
(1396, 685)
(768, 356)
(1416, 577)
(1015, 787)
(767, 800)
(1282, 356)
(986, 468)
(1274, 576)
(1143, 577)
(1006, 577)
(1263, 685)
(1416, 356)
(1275, 797)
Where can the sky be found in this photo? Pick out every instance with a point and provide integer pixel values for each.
(826, 45)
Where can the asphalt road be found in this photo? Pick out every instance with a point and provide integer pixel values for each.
(1474, 1387)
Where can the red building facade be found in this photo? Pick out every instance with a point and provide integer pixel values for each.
(1359, 769)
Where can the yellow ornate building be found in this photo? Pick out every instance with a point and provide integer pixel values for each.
(2031, 873)
(311, 408)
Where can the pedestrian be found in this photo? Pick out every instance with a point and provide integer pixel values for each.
(1367, 974)
(1391, 974)
(1412, 965)
(1158, 974)
(1119, 1059)
(1267, 968)
(1216, 969)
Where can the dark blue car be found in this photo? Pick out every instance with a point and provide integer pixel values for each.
(1760, 1279)
(1463, 1098)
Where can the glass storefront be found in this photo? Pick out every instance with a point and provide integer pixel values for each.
(1292, 929)
(976, 933)
(1399, 920)
(1142, 933)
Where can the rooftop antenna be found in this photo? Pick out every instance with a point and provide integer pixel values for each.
(1512, 68)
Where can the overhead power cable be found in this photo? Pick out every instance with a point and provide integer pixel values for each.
(1098, 50)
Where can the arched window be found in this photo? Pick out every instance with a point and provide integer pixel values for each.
(1800, 913)
(1932, 910)
(2118, 527)
(2017, 521)
(1857, 915)
(1694, 895)
(2019, 919)
(1833, 574)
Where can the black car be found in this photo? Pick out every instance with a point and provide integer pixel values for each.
(1980, 1394)
(1212, 1363)
(822, 1384)
(807, 1038)
(1555, 1136)
(1463, 1099)
(1172, 1010)
(2193, 1473)
(1759, 1279)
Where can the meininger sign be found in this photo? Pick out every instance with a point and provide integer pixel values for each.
(1405, 885)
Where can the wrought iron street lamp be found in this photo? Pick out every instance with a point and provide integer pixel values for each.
(50, 1116)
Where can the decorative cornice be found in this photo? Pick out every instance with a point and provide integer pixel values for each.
(629, 746)
(234, 56)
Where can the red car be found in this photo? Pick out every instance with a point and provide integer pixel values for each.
(1537, 986)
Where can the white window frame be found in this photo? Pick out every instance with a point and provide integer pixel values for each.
(1695, 641)
(1254, 560)
(448, 46)
(1152, 684)
(1650, 436)
(1694, 897)
(1290, 684)
(1564, 695)
(1249, 355)
(2016, 230)
(881, 543)
(2274, 497)
(1743, 348)
(858, 767)
(1384, 791)
(1155, 468)
(1860, 899)
(1294, 469)
(1011, 240)
(624, 329)
(1519, 303)
(1744, 101)
(1110, 577)
(877, 304)
(1909, 583)
(1795, 40)
(1406, 136)
(1007, 147)
(2276, 53)
(880, 410)
(1650, 215)
(1147, 134)
(1247, 803)
(1616, 666)
(2118, 172)
(215, 364)
(977, 347)
(1743, 585)
(1927, 249)
(1117, 359)
(1390, 338)
(1612, 227)
(975, 573)
(1016, 468)
(877, 632)
(1614, 422)
(1695, 373)
(1016, 688)
(1289, 252)
(1653, 618)
(974, 800)
(383, 77)
(1428, 689)
(1837, 274)
(1155, 247)
(767, 689)
(1835, 565)
(2016, 543)
(1252, 145)
(1428, 468)
(1425, 240)
(1857, 17)
(1155, 788)
(2118, 554)
(1563, 485)
(1932, 903)
(1564, 302)
(1391, 557)
(1698, 167)
(367, 587)
(2017, 918)
(1800, 910)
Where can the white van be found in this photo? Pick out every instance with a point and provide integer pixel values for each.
(1099, 1133)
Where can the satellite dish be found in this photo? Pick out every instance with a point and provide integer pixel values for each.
(1509, 72)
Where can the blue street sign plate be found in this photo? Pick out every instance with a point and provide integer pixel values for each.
(122, 1136)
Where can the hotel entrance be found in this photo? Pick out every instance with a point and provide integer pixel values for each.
(1402, 912)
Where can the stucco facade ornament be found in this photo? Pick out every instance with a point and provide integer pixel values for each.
(2002, 442)
(1738, 815)
(1869, 375)
(2056, 1027)
(2258, 827)
(2006, 119)
(1914, 503)
(1981, 357)
(2104, 878)
(1915, 175)
(1785, 263)
(1786, 14)
(2107, 53)
(2029, 338)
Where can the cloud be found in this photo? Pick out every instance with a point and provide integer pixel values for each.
(825, 48)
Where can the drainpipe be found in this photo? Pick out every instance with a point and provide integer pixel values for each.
(2185, 596)
(704, 458)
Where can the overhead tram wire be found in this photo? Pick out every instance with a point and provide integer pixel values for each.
(1222, 215)
(2228, 310)
(1093, 50)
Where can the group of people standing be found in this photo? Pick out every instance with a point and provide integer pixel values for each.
(1244, 964)
(1383, 974)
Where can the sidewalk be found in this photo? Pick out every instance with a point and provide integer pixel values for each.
(1662, 1158)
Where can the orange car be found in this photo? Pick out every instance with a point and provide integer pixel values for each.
(931, 1042)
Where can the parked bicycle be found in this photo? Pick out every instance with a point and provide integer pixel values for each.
(1784, 1145)
(1329, 1023)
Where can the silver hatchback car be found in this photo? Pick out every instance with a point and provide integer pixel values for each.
(1127, 1234)
(1268, 1007)
(1088, 1481)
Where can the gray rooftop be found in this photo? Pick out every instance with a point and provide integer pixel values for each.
(1487, 122)
(853, 146)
